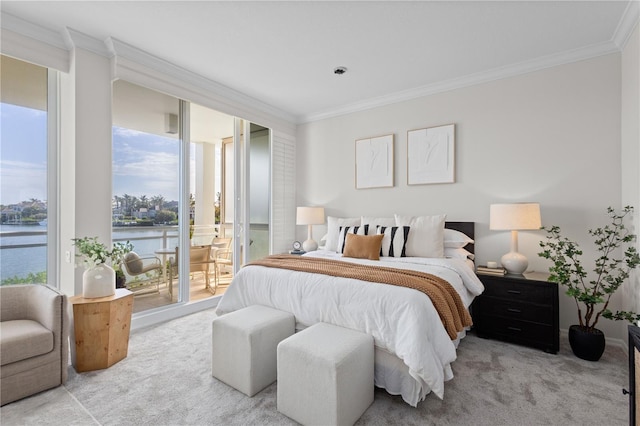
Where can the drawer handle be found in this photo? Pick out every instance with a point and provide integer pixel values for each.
(513, 291)
(514, 329)
(514, 310)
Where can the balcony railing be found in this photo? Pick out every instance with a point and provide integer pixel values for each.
(26, 250)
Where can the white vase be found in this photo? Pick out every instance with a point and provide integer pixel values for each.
(98, 281)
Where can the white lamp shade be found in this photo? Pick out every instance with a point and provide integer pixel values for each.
(310, 216)
(514, 217)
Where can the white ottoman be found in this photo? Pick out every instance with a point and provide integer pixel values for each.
(325, 375)
(244, 346)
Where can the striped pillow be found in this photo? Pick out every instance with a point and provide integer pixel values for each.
(344, 230)
(394, 243)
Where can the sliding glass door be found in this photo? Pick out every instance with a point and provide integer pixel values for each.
(186, 180)
(247, 197)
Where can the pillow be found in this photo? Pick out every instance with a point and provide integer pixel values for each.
(427, 235)
(455, 239)
(333, 230)
(363, 246)
(395, 240)
(458, 253)
(377, 221)
(344, 230)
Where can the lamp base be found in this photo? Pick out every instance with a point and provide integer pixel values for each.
(310, 245)
(514, 262)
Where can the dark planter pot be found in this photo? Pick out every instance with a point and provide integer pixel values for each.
(121, 280)
(585, 344)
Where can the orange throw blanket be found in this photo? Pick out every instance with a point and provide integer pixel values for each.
(455, 317)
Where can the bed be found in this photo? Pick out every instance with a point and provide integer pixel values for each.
(413, 351)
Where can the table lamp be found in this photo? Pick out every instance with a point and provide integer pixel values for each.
(514, 217)
(310, 216)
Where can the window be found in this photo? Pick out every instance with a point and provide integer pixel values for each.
(146, 174)
(27, 173)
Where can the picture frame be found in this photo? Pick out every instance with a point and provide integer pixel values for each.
(374, 162)
(431, 155)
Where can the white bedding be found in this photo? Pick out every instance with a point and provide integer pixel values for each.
(402, 321)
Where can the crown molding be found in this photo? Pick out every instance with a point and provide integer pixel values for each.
(525, 67)
(627, 24)
(120, 49)
(36, 32)
(77, 39)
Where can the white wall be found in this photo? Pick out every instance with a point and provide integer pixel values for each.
(630, 133)
(551, 136)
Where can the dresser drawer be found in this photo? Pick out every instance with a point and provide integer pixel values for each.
(529, 333)
(520, 291)
(505, 308)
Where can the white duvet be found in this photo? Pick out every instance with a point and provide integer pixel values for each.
(402, 321)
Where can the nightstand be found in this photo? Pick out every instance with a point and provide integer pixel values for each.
(520, 309)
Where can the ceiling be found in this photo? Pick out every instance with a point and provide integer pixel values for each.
(284, 53)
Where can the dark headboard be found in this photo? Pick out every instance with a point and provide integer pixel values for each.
(467, 228)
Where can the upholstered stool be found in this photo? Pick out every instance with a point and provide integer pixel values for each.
(325, 375)
(244, 346)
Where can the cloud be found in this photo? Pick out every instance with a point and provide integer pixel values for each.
(21, 180)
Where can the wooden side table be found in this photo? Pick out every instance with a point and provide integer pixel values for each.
(101, 330)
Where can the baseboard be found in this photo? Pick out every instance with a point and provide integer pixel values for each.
(176, 310)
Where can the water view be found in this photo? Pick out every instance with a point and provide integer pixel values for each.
(26, 252)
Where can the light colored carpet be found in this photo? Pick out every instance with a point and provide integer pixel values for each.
(166, 380)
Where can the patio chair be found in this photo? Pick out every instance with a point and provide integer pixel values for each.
(199, 261)
(137, 267)
(219, 244)
(223, 257)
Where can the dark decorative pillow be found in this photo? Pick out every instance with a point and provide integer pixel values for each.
(363, 246)
(344, 230)
(394, 243)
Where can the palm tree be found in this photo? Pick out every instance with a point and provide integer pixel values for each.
(128, 204)
(143, 202)
(157, 201)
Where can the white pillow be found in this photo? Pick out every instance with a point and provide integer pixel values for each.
(333, 230)
(344, 230)
(374, 222)
(458, 253)
(395, 240)
(427, 235)
(455, 239)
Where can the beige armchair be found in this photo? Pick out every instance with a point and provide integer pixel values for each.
(34, 340)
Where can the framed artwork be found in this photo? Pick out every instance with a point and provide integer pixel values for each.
(430, 155)
(374, 162)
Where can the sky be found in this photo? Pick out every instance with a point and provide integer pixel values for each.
(143, 164)
(23, 154)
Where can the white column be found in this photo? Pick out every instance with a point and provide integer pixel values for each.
(85, 172)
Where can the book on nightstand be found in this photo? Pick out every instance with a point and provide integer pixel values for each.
(485, 270)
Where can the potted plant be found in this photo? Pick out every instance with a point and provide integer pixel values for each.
(117, 257)
(592, 296)
(99, 279)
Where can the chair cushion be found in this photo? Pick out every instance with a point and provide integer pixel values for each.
(22, 339)
(134, 263)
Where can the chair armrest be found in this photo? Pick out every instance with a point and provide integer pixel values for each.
(223, 254)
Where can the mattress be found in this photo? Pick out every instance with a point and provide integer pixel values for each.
(413, 351)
